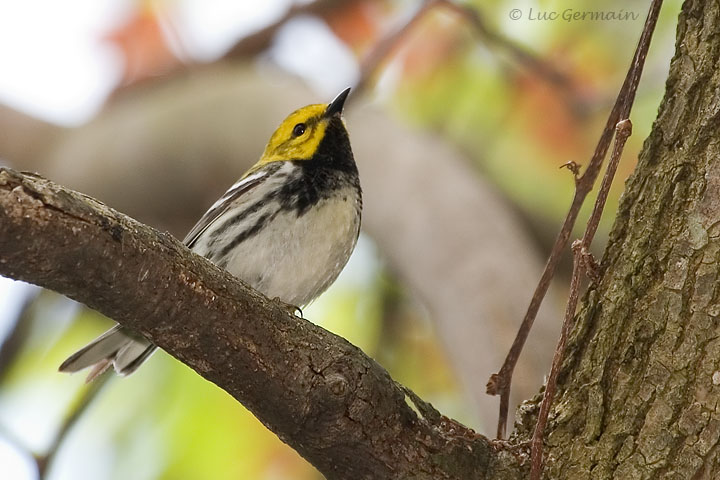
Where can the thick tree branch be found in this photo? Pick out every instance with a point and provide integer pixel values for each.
(418, 237)
(317, 392)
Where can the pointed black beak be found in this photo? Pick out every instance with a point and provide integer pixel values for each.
(336, 106)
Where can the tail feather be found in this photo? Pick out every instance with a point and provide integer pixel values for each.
(124, 349)
(131, 356)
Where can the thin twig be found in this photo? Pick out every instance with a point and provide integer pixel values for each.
(523, 56)
(42, 462)
(93, 389)
(386, 46)
(580, 251)
(14, 341)
(623, 130)
(500, 383)
(491, 38)
(245, 48)
(260, 40)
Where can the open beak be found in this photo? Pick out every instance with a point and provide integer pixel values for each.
(336, 106)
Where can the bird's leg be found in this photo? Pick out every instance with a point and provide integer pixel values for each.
(289, 307)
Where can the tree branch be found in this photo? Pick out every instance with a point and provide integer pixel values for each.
(45, 461)
(493, 40)
(260, 40)
(320, 394)
(582, 263)
(500, 382)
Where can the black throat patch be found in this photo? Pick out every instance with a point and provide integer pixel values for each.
(329, 171)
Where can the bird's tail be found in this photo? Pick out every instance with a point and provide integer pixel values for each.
(118, 346)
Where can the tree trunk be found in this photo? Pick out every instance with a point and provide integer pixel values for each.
(638, 393)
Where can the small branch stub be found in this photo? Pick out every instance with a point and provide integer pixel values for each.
(623, 128)
(573, 167)
(618, 123)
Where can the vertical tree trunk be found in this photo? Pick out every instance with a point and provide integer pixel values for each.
(638, 394)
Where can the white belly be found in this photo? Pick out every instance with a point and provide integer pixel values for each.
(297, 258)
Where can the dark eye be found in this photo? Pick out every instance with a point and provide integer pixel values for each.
(299, 129)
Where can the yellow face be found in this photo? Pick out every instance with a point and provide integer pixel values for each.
(298, 136)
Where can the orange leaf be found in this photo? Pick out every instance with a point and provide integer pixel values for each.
(144, 46)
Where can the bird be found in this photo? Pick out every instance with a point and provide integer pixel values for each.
(286, 228)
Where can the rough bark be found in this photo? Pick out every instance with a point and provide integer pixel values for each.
(638, 395)
(192, 136)
(641, 380)
(318, 393)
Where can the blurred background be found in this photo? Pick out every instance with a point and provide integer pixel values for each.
(460, 117)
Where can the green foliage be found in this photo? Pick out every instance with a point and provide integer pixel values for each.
(518, 127)
(166, 422)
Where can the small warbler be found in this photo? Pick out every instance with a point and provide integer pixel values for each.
(287, 227)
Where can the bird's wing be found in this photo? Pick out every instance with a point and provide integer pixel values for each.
(240, 188)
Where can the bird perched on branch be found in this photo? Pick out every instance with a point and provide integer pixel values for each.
(287, 227)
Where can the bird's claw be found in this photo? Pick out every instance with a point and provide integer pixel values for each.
(289, 307)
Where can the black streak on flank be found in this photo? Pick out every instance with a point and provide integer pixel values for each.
(242, 214)
(227, 201)
(254, 230)
(331, 170)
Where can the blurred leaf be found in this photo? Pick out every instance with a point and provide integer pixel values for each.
(143, 43)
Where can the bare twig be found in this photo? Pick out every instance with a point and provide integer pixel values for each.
(9, 349)
(520, 54)
(12, 345)
(93, 389)
(260, 40)
(623, 130)
(247, 47)
(573, 167)
(491, 38)
(500, 383)
(580, 253)
(387, 45)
